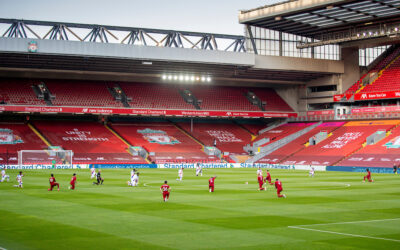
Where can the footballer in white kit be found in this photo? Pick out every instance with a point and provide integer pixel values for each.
(199, 170)
(93, 171)
(259, 171)
(19, 180)
(4, 176)
(311, 173)
(180, 174)
(134, 179)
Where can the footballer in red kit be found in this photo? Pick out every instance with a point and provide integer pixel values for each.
(279, 189)
(260, 180)
(165, 188)
(211, 182)
(368, 176)
(53, 183)
(72, 182)
(268, 178)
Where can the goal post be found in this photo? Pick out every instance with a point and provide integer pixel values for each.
(45, 157)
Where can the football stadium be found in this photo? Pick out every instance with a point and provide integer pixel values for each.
(284, 137)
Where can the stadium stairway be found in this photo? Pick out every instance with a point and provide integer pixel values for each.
(253, 136)
(40, 135)
(125, 142)
(282, 142)
(191, 137)
(187, 133)
(272, 126)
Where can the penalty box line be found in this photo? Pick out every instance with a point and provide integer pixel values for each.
(347, 222)
(302, 227)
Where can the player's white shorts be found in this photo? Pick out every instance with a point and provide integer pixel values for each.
(5, 177)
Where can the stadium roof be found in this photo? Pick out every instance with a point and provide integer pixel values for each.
(125, 69)
(311, 18)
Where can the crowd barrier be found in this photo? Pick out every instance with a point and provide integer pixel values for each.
(44, 166)
(166, 165)
(360, 169)
(204, 165)
(123, 165)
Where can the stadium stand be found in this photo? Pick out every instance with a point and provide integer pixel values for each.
(253, 128)
(96, 94)
(299, 144)
(91, 142)
(81, 93)
(385, 153)
(223, 98)
(358, 87)
(344, 141)
(18, 92)
(15, 137)
(229, 136)
(388, 81)
(154, 96)
(167, 142)
(282, 131)
(273, 100)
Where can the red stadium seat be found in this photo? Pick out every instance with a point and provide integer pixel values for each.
(168, 143)
(298, 144)
(344, 141)
(230, 137)
(81, 93)
(24, 139)
(91, 142)
(18, 92)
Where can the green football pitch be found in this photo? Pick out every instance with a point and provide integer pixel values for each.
(333, 210)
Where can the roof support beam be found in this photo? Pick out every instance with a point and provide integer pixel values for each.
(253, 43)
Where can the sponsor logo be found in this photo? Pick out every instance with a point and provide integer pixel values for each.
(158, 136)
(32, 47)
(7, 137)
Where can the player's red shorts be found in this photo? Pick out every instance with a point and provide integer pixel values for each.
(211, 187)
(260, 184)
(165, 195)
(279, 190)
(53, 185)
(72, 183)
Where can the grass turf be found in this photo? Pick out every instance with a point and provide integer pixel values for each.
(236, 216)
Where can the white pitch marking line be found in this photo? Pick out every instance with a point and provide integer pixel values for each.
(347, 222)
(353, 235)
(2, 248)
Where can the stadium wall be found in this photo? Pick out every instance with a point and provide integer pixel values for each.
(285, 63)
(350, 58)
(291, 96)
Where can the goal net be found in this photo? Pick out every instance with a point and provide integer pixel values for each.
(45, 157)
